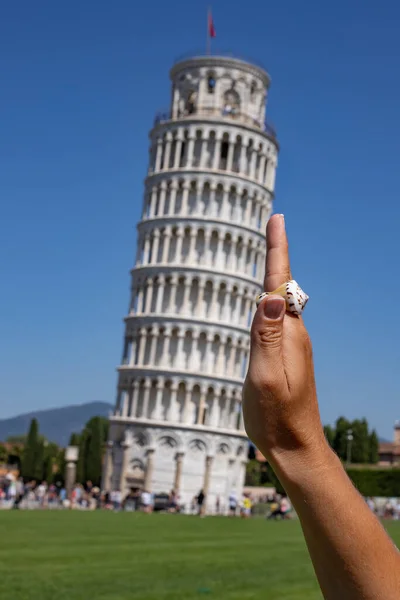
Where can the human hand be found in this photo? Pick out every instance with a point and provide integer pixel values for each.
(280, 404)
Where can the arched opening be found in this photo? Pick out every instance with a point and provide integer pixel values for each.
(187, 350)
(191, 102)
(231, 103)
(219, 196)
(192, 198)
(224, 152)
(197, 148)
(210, 149)
(205, 200)
(236, 154)
(211, 83)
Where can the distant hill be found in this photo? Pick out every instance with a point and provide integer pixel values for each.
(56, 424)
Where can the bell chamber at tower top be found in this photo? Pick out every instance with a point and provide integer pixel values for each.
(213, 86)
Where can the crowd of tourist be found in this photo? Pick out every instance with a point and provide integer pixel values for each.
(15, 493)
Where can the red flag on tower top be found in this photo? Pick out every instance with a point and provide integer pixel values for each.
(211, 28)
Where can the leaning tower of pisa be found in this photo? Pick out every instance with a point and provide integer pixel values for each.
(177, 422)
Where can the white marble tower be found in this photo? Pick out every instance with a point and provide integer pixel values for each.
(200, 258)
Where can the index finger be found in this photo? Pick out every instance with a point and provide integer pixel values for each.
(277, 266)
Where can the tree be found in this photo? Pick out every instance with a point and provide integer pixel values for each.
(329, 434)
(94, 451)
(373, 447)
(253, 473)
(39, 460)
(74, 439)
(360, 443)
(3, 454)
(340, 440)
(16, 439)
(31, 453)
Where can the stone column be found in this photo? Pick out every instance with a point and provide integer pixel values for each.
(261, 169)
(192, 246)
(214, 300)
(190, 151)
(247, 308)
(142, 345)
(186, 410)
(202, 405)
(167, 154)
(172, 403)
(242, 158)
(185, 198)
(158, 155)
(186, 296)
(221, 357)
(206, 481)
(212, 208)
(217, 153)
(71, 458)
(214, 417)
(225, 306)
(199, 205)
(209, 356)
(159, 394)
(139, 307)
(132, 353)
(156, 246)
(153, 346)
(160, 294)
(207, 250)
(124, 411)
(146, 399)
(107, 468)
(225, 412)
(249, 207)
(172, 296)
(220, 249)
(229, 161)
(236, 314)
(135, 392)
(165, 356)
(232, 360)
(172, 197)
(149, 296)
(166, 245)
(163, 194)
(153, 201)
(253, 163)
(178, 247)
(241, 421)
(126, 447)
(200, 298)
(146, 253)
(225, 204)
(178, 150)
(178, 471)
(179, 350)
(149, 470)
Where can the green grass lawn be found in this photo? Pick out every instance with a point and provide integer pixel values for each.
(106, 556)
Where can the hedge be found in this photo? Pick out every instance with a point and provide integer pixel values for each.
(376, 482)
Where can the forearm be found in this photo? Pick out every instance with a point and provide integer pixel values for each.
(353, 557)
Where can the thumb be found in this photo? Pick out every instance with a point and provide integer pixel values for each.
(266, 356)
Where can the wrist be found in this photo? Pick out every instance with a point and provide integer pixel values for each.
(295, 468)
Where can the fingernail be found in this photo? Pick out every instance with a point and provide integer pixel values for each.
(274, 307)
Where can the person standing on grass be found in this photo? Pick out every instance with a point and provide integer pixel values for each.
(353, 557)
(200, 503)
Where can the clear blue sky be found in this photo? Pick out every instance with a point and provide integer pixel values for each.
(80, 83)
